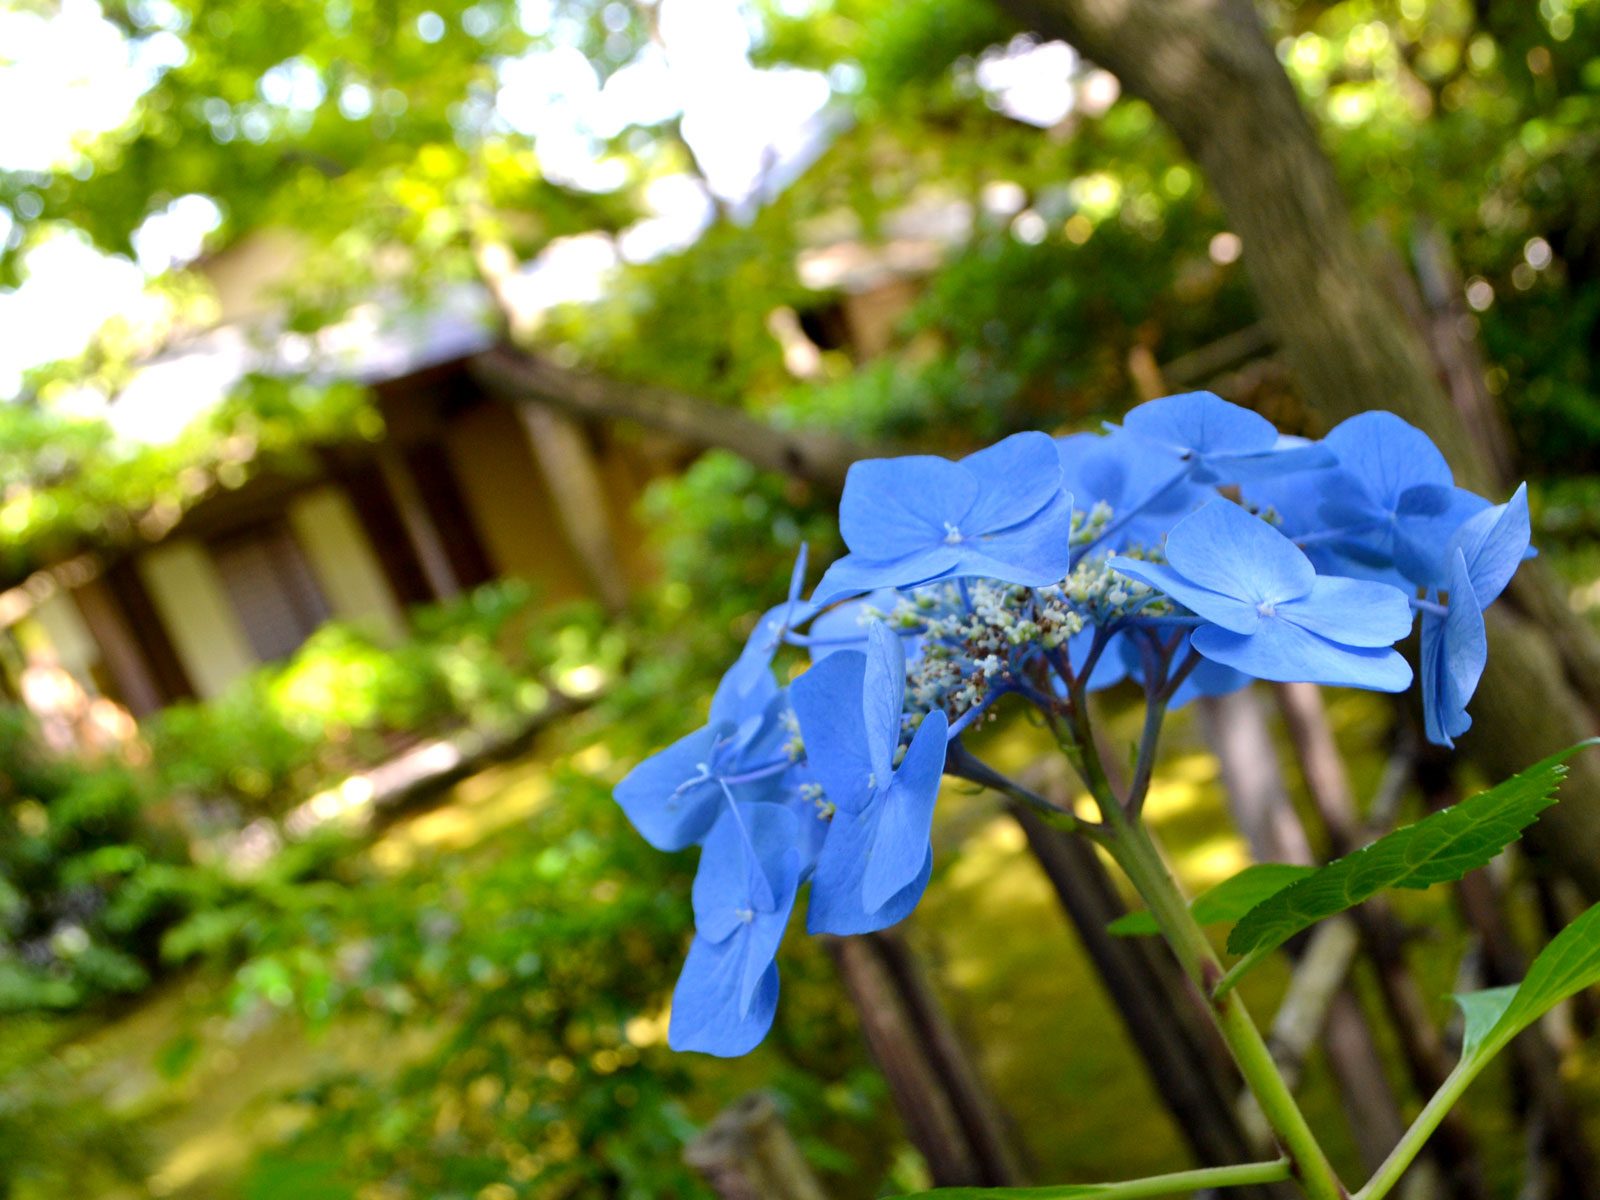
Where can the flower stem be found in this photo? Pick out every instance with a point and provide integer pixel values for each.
(1434, 1112)
(1136, 852)
(1176, 1183)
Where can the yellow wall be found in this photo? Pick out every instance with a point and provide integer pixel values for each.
(341, 557)
(199, 618)
(69, 638)
(513, 511)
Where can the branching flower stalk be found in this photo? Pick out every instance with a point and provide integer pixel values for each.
(1188, 552)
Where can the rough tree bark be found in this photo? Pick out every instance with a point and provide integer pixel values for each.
(1209, 71)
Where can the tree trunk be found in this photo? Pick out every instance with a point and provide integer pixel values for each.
(1209, 71)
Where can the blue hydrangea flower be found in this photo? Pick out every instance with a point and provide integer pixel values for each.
(674, 796)
(878, 856)
(1218, 442)
(1146, 492)
(1483, 556)
(845, 626)
(1268, 613)
(999, 513)
(1391, 504)
(743, 895)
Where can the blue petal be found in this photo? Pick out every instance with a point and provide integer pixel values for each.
(1288, 456)
(1494, 543)
(1228, 611)
(1352, 612)
(845, 627)
(747, 687)
(827, 703)
(656, 799)
(854, 575)
(1224, 549)
(1035, 553)
(1017, 476)
(1203, 423)
(1455, 650)
(1426, 518)
(1282, 651)
(900, 842)
(837, 905)
(1387, 455)
(883, 696)
(750, 859)
(751, 672)
(707, 1013)
(892, 507)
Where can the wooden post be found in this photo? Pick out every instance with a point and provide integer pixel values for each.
(747, 1153)
(949, 1115)
(421, 532)
(561, 449)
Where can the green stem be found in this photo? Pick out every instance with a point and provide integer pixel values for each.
(1410, 1145)
(1245, 1175)
(1136, 852)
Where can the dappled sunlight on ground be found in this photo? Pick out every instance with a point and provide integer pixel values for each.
(479, 807)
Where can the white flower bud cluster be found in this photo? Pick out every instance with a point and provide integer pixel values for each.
(794, 746)
(1104, 595)
(1088, 526)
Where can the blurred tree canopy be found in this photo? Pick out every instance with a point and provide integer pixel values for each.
(391, 141)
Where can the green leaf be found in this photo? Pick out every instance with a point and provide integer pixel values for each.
(1568, 965)
(1564, 968)
(1482, 1011)
(1437, 849)
(1226, 901)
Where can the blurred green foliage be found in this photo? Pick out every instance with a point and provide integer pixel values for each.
(71, 835)
(349, 697)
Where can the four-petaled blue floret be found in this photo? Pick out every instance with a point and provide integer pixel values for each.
(1186, 553)
(997, 514)
(1265, 611)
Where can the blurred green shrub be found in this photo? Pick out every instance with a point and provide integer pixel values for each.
(72, 837)
(348, 698)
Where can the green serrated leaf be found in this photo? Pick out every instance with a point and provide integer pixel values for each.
(1226, 901)
(1437, 849)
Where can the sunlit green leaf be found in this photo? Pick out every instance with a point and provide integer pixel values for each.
(1437, 849)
